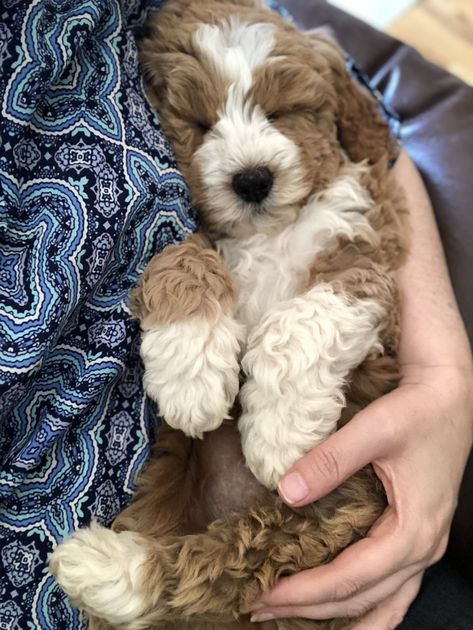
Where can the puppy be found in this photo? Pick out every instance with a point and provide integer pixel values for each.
(262, 334)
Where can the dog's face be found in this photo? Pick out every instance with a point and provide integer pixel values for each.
(267, 139)
(253, 111)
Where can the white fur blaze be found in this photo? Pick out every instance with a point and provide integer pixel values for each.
(243, 137)
(101, 571)
(192, 370)
(269, 269)
(297, 361)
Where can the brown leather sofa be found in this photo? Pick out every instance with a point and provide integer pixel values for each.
(436, 113)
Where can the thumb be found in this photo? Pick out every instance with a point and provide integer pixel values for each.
(357, 444)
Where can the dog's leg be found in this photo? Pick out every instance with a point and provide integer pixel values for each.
(138, 581)
(101, 572)
(190, 342)
(297, 361)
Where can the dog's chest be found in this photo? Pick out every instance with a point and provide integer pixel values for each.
(270, 269)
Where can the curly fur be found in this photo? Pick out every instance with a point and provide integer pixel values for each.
(301, 294)
(183, 281)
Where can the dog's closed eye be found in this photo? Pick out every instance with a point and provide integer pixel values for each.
(272, 116)
(203, 127)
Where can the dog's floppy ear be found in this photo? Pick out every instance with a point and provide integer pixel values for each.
(362, 130)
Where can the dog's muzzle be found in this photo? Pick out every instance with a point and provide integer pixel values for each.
(253, 185)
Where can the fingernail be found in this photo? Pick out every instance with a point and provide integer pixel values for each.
(260, 617)
(293, 488)
(257, 606)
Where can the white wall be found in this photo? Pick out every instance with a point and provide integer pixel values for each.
(379, 13)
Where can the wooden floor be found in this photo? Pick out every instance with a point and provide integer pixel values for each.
(442, 30)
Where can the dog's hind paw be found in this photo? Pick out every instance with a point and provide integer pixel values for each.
(192, 371)
(101, 571)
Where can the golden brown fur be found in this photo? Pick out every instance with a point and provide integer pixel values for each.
(364, 267)
(224, 567)
(185, 280)
(216, 539)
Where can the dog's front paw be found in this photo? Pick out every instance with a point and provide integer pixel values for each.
(101, 571)
(192, 371)
(268, 451)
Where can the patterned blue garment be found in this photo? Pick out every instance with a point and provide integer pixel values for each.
(89, 191)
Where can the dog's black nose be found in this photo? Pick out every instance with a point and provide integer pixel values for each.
(254, 184)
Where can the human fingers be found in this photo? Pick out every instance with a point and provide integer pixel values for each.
(390, 613)
(367, 437)
(358, 567)
(351, 607)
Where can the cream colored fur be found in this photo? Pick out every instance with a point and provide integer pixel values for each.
(191, 369)
(271, 268)
(297, 361)
(101, 572)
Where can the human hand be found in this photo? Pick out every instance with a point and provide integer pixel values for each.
(418, 438)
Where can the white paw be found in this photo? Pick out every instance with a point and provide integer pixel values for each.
(269, 457)
(101, 571)
(192, 371)
(297, 362)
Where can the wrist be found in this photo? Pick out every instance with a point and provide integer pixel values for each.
(456, 366)
(447, 395)
(450, 385)
(440, 344)
(458, 372)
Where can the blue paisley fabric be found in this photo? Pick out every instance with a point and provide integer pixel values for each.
(89, 191)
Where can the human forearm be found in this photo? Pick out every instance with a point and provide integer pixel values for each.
(432, 332)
